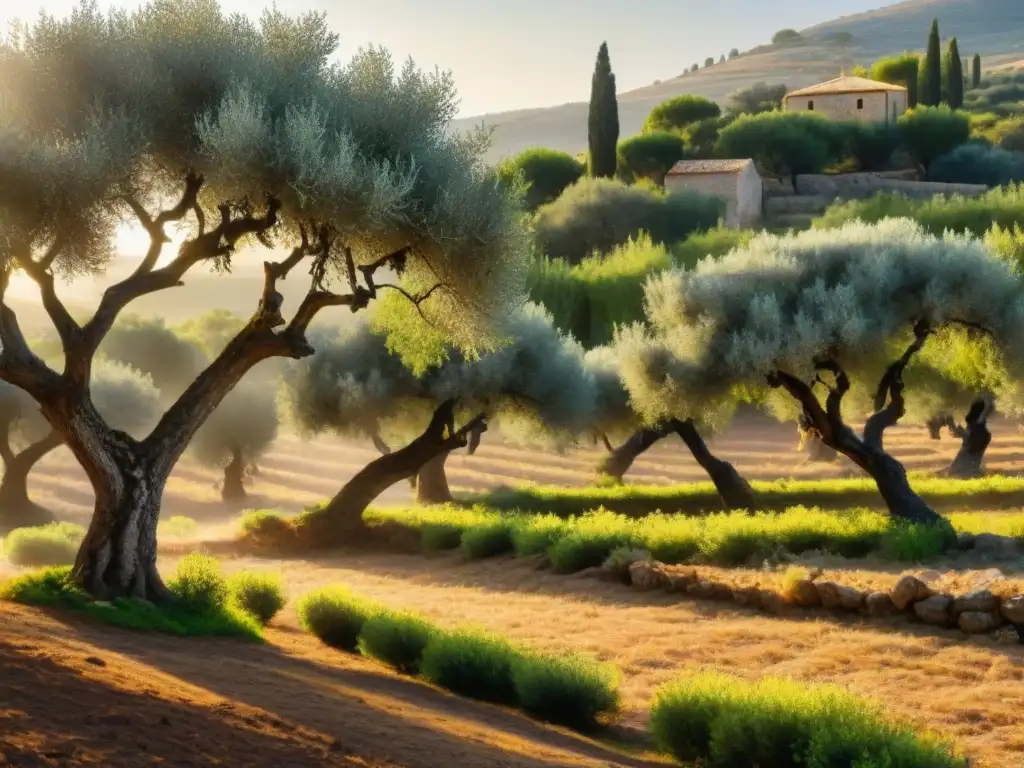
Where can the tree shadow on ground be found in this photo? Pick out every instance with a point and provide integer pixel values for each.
(347, 700)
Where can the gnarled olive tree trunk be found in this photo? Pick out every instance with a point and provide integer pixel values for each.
(618, 461)
(975, 438)
(16, 508)
(432, 482)
(735, 492)
(867, 451)
(342, 517)
(234, 477)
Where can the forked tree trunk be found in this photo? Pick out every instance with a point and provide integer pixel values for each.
(17, 510)
(234, 476)
(617, 463)
(342, 517)
(736, 492)
(975, 438)
(432, 482)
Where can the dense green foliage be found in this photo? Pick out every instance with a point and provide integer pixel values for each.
(678, 112)
(931, 132)
(930, 74)
(259, 594)
(973, 215)
(784, 144)
(1001, 94)
(722, 722)
(978, 163)
(335, 616)
(199, 577)
(569, 689)
(954, 76)
(472, 663)
(899, 70)
(50, 544)
(649, 155)
(757, 98)
(544, 172)
(596, 215)
(869, 145)
(397, 639)
(603, 119)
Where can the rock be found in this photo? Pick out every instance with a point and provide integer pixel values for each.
(648, 574)
(95, 660)
(1008, 635)
(836, 596)
(1012, 610)
(879, 605)
(679, 580)
(975, 601)
(803, 593)
(979, 622)
(708, 590)
(934, 610)
(985, 578)
(773, 602)
(909, 590)
(994, 544)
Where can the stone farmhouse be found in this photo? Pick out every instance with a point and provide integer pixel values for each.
(736, 182)
(850, 98)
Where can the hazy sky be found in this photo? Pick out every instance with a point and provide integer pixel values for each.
(513, 54)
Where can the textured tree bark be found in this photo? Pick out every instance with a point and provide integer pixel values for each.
(736, 492)
(342, 518)
(432, 482)
(16, 508)
(617, 463)
(234, 474)
(975, 438)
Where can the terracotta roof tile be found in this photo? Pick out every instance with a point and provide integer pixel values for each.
(684, 167)
(846, 84)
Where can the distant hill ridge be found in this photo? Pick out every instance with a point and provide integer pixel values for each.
(993, 28)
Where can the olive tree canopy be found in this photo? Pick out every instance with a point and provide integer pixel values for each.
(244, 134)
(818, 307)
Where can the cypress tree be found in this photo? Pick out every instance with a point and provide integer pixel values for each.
(976, 71)
(603, 123)
(930, 91)
(955, 75)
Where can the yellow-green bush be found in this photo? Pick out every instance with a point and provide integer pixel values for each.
(397, 638)
(570, 689)
(472, 663)
(40, 545)
(258, 594)
(335, 616)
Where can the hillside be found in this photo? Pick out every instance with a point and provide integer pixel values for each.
(994, 28)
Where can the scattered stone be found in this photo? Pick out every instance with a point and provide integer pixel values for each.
(95, 660)
(879, 605)
(994, 544)
(934, 610)
(979, 622)
(929, 576)
(976, 601)
(773, 602)
(985, 578)
(835, 596)
(1008, 635)
(648, 574)
(1012, 609)
(709, 590)
(909, 590)
(678, 580)
(804, 594)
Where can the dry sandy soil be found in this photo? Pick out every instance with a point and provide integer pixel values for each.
(166, 701)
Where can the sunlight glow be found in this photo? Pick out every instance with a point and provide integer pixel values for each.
(132, 241)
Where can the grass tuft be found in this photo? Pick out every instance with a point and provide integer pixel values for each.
(335, 615)
(570, 690)
(472, 663)
(397, 638)
(259, 594)
(720, 721)
(41, 545)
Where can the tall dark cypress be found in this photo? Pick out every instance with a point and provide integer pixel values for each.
(955, 75)
(976, 71)
(603, 124)
(930, 91)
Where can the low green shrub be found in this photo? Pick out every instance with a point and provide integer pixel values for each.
(40, 545)
(266, 525)
(54, 587)
(259, 594)
(335, 616)
(396, 638)
(488, 540)
(200, 581)
(441, 536)
(177, 527)
(533, 534)
(589, 541)
(472, 663)
(724, 722)
(570, 690)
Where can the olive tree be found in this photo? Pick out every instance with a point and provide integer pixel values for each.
(125, 398)
(246, 135)
(819, 308)
(148, 345)
(616, 419)
(237, 434)
(534, 389)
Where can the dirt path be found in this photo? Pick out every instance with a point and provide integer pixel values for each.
(971, 690)
(81, 694)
